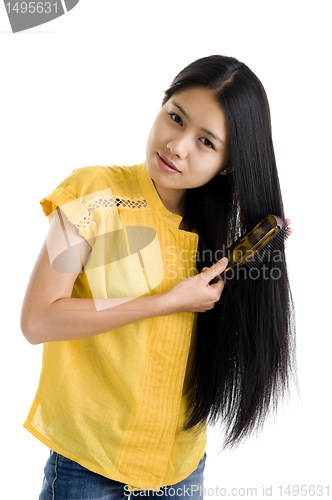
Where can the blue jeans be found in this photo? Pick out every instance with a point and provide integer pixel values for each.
(67, 480)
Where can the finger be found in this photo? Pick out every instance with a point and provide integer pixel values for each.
(289, 229)
(216, 269)
(218, 281)
(288, 223)
(220, 266)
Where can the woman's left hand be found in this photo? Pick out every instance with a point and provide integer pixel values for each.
(290, 229)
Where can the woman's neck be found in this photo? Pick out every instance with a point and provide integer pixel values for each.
(176, 206)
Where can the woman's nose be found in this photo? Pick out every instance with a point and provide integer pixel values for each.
(178, 147)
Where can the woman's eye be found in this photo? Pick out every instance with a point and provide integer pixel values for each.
(208, 143)
(176, 116)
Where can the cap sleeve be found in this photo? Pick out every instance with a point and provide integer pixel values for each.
(73, 195)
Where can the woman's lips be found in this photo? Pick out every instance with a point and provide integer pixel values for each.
(164, 166)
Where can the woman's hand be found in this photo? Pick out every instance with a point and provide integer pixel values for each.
(290, 229)
(194, 294)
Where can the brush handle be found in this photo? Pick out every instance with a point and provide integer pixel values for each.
(260, 237)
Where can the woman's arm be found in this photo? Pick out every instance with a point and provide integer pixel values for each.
(49, 314)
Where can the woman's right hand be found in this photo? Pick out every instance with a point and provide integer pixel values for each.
(194, 294)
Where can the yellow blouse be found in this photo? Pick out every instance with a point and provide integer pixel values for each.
(114, 402)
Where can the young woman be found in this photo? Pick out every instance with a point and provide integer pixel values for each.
(141, 350)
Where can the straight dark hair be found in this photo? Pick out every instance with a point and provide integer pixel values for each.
(243, 352)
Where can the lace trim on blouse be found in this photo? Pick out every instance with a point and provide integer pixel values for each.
(108, 203)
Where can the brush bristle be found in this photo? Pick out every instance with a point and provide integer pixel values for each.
(265, 254)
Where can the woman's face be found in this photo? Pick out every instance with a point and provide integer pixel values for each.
(191, 132)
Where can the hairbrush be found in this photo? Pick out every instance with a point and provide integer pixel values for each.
(256, 247)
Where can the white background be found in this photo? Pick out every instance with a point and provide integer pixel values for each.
(84, 89)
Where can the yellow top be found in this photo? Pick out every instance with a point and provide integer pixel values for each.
(114, 402)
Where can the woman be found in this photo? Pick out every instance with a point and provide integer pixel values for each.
(140, 349)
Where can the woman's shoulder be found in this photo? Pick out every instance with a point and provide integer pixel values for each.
(101, 175)
(94, 178)
(85, 185)
(93, 172)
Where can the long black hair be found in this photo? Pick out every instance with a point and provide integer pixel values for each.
(243, 352)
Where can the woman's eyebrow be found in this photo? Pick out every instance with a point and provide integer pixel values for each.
(203, 129)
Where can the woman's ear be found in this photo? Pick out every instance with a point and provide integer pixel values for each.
(227, 169)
